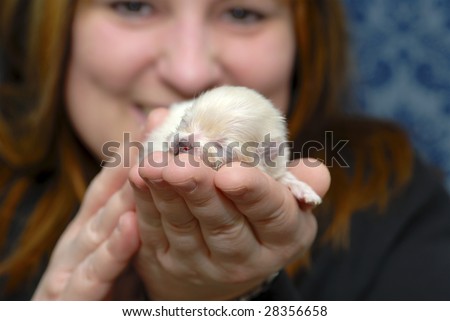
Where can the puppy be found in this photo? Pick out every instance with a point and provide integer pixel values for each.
(228, 124)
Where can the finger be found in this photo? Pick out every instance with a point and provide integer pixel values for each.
(165, 199)
(149, 218)
(73, 247)
(114, 174)
(268, 205)
(223, 227)
(110, 179)
(95, 276)
(100, 226)
(179, 225)
(194, 182)
(102, 187)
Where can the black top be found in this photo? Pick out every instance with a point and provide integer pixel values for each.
(400, 254)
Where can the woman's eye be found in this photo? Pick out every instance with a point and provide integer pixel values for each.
(243, 15)
(132, 8)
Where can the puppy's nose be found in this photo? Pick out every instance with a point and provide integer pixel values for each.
(183, 144)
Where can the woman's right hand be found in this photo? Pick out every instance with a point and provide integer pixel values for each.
(96, 247)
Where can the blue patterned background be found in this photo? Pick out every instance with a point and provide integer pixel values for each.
(402, 49)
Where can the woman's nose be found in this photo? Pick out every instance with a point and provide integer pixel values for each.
(189, 62)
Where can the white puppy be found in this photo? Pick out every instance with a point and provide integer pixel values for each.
(229, 124)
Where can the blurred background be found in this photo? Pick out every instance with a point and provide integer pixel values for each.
(402, 49)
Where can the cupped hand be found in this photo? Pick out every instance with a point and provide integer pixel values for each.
(217, 235)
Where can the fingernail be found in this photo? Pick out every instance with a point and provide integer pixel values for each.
(188, 186)
(157, 182)
(240, 191)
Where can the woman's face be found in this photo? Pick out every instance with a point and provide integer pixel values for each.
(129, 57)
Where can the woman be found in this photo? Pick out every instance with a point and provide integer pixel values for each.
(86, 72)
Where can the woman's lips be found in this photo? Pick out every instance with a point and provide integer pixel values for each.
(140, 114)
(141, 111)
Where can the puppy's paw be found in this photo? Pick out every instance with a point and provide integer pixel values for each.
(301, 191)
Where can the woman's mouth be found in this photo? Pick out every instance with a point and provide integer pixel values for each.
(141, 111)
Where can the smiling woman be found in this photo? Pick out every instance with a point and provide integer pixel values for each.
(83, 73)
(199, 46)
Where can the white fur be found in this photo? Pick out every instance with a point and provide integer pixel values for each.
(230, 115)
(159, 138)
